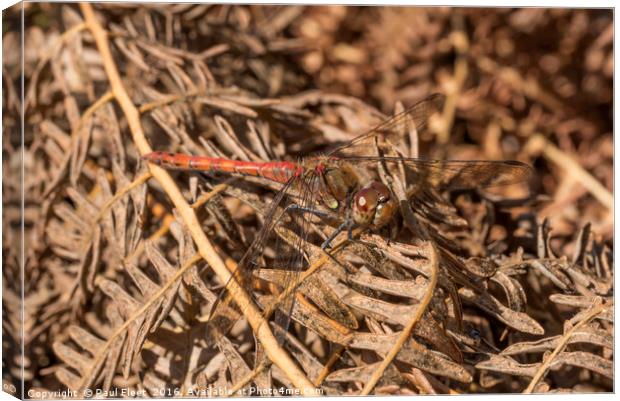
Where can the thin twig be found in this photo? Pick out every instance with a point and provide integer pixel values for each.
(404, 335)
(316, 265)
(130, 320)
(248, 378)
(332, 360)
(75, 133)
(120, 193)
(161, 231)
(105, 98)
(216, 190)
(302, 277)
(538, 143)
(542, 370)
(205, 249)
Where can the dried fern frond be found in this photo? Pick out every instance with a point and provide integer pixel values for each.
(116, 297)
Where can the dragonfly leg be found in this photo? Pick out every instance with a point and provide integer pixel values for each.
(297, 208)
(326, 244)
(346, 224)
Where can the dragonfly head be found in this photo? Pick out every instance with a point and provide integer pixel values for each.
(373, 205)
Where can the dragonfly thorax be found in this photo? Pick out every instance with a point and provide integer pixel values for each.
(340, 183)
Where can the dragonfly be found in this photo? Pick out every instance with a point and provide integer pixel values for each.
(333, 185)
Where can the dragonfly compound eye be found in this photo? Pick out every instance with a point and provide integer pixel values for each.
(364, 205)
(386, 207)
(373, 205)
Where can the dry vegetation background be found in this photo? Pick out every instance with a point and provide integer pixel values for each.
(115, 296)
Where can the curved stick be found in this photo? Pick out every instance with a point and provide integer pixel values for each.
(205, 249)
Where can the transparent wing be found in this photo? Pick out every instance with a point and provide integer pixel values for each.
(225, 312)
(292, 255)
(456, 174)
(290, 230)
(416, 116)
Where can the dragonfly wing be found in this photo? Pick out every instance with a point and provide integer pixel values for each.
(457, 174)
(417, 116)
(225, 312)
(291, 252)
(290, 229)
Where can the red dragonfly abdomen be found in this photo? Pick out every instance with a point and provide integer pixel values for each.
(276, 171)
